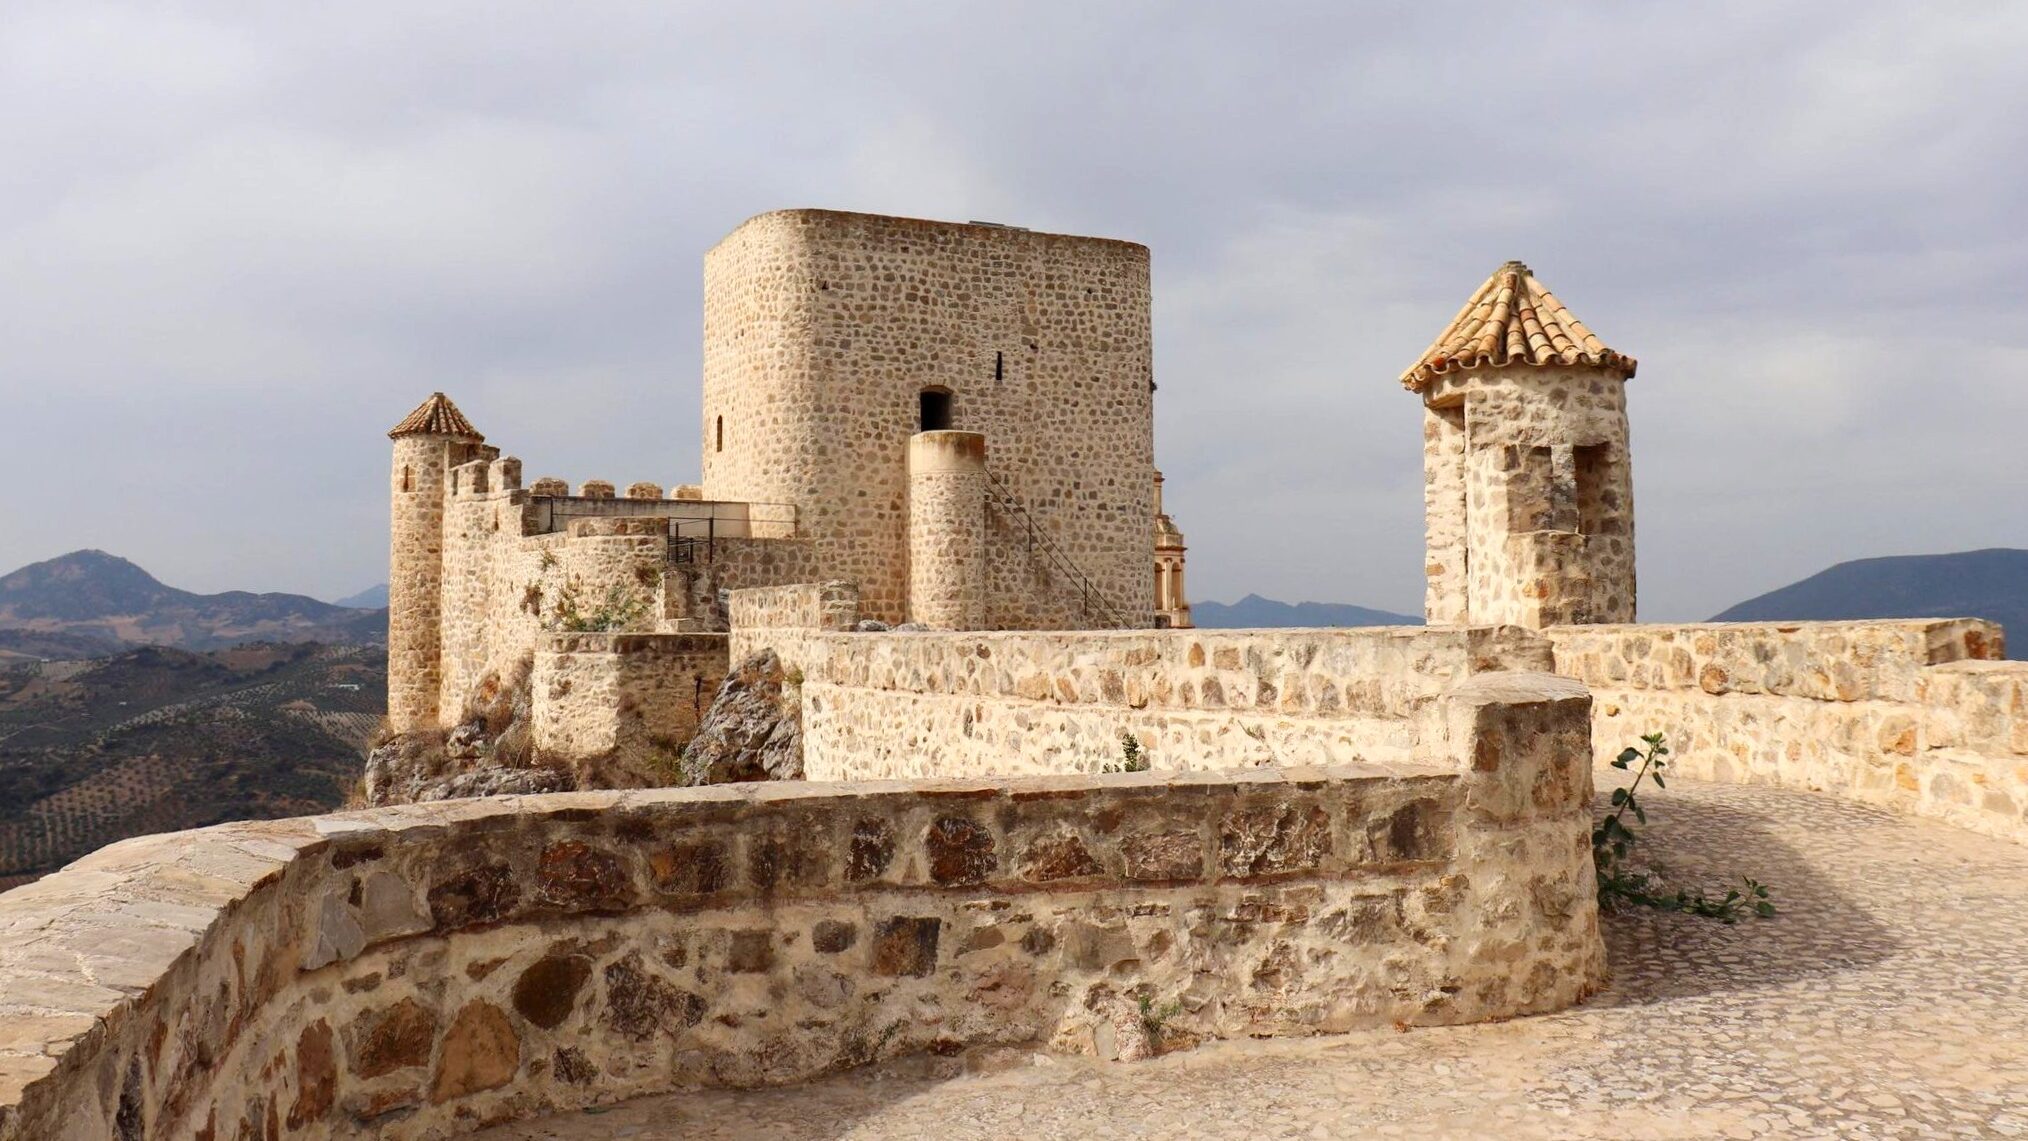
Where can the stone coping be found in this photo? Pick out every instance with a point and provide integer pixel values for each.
(629, 642)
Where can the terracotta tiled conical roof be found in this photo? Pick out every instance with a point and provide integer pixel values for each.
(1512, 319)
(436, 416)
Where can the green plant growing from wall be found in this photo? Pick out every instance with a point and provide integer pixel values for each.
(1613, 840)
(1155, 1019)
(620, 608)
(1133, 759)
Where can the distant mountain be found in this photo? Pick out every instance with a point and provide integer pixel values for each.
(155, 739)
(1254, 612)
(372, 598)
(1991, 584)
(106, 599)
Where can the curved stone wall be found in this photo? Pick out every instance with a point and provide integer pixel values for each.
(423, 970)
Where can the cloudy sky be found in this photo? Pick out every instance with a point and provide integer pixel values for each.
(237, 243)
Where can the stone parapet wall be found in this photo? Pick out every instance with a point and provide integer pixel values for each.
(971, 704)
(1917, 715)
(428, 969)
(597, 694)
(503, 577)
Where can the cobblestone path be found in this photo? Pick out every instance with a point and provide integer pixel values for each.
(1889, 999)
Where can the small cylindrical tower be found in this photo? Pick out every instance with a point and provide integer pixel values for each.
(1528, 483)
(947, 530)
(427, 444)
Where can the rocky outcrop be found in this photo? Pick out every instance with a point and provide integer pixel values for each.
(489, 754)
(753, 730)
(417, 767)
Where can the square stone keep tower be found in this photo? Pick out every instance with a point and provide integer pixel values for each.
(831, 339)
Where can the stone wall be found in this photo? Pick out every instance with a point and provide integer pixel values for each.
(505, 579)
(821, 331)
(1915, 715)
(428, 969)
(634, 694)
(971, 704)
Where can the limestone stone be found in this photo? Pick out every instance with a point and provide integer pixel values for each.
(481, 895)
(906, 946)
(393, 1038)
(481, 1051)
(639, 1004)
(547, 991)
(574, 876)
(316, 1075)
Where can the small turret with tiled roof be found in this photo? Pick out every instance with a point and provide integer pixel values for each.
(1513, 319)
(436, 416)
(428, 443)
(1528, 487)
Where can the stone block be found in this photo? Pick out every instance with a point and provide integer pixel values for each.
(906, 946)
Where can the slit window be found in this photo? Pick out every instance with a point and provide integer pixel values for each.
(718, 442)
(934, 409)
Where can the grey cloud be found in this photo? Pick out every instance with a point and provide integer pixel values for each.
(236, 244)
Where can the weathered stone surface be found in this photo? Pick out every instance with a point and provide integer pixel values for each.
(547, 991)
(316, 1075)
(379, 1042)
(830, 936)
(906, 946)
(388, 907)
(871, 852)
(960, 851)
(1170, 855)
(640, 1004)
(338, 934)
(481, 1051)
(796, 853)
(482, 895)
(753, 730)
(571, 1065)
(574, 876)
(752, 952)
(1268, 840)
(1418, 830)
(1060, 856)
(700, 868)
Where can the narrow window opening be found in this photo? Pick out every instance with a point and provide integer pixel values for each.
(999, 367)
(1531, 489)
(407, 479)
(718, 445)
(935, 409)
(1598, 501)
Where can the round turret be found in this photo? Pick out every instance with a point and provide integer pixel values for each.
(428, 443)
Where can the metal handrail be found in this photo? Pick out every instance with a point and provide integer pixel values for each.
(1090, 595)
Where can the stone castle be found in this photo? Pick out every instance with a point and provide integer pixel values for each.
(1032, 813)
(956, 419)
